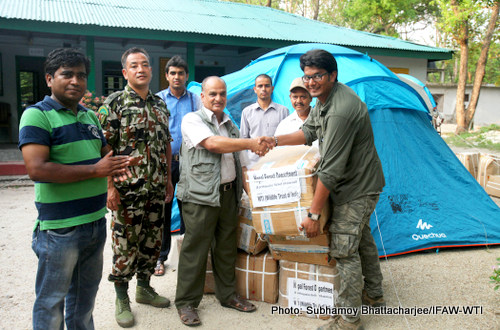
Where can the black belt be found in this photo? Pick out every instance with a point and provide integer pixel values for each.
(175, 157)
(227, 186)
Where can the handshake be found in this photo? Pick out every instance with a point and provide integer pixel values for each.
(261, 145)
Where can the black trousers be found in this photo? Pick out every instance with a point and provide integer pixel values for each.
(166, 238)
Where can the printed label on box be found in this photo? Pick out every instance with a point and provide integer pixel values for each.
(266, 222)
(274, 186)
(303, 293)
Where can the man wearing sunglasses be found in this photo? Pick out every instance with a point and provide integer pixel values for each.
(350, 178)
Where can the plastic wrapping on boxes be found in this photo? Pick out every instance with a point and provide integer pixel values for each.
(305, 286)
(489, 173)
(209, 274)
(248, 239)
(285, 219)
(257, 277)
(301, 249)
(493, 186)
(471, 161)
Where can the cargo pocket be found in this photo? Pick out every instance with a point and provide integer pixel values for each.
(201, 178)
(344, 245)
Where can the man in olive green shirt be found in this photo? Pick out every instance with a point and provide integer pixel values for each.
(350, 178)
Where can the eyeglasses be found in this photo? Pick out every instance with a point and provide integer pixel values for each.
(315, 77)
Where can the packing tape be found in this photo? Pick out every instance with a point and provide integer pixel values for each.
(493, 185)
(263, 276)
(298, 271)
(266, 210)
(263, 273)
(255, 271)
(300, 248)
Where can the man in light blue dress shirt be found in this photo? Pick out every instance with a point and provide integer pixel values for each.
(179, 102)
(262, 117)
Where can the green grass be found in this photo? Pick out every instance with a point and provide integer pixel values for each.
(476, 139)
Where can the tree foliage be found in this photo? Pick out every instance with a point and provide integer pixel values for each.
(469, 25)
(386, 16)
(462, 25)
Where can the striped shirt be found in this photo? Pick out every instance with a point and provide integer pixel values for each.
(73, 140)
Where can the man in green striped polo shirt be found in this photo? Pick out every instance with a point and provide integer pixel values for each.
(66, 154)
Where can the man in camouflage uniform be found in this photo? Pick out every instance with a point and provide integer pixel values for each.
(135, 123)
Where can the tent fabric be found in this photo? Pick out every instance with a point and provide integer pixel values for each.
(406, 77)
(430, 200)
(354, 69)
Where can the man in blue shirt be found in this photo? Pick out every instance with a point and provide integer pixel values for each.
(179, 102)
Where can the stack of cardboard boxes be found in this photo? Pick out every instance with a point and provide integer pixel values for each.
(488, 174)
(485, 168)
(256, 270)
(296, 271)
(282, 187)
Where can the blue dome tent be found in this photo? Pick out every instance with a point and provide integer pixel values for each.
(430, 200)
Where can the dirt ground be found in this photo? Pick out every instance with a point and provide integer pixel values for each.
(451, 277)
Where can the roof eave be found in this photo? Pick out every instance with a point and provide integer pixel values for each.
(193, 37)
(432, 56)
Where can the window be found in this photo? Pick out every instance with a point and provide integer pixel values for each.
(112, 76)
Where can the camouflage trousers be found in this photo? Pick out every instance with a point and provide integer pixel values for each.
(136, 232)
(353, 247)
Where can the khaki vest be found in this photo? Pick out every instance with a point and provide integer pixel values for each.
(199, 179)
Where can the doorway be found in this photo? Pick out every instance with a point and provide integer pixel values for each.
(30, 80)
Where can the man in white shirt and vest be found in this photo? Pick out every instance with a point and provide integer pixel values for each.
(210, 189)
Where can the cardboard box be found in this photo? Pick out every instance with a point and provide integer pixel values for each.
(284, 218)
(489, 165)
(209, 275)
(248, 239)
(471, 161)
(257, 277)
(493, 185)
(301, 249)
(306, 286)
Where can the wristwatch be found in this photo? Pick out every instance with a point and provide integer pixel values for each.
(314, 217)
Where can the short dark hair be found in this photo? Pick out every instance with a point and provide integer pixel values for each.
(178, 62)
(65, 57)
(319, 58)
(133, 50)
(263, 75)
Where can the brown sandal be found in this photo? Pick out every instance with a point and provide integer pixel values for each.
(159, 269)
(240, 304)
(189, 316)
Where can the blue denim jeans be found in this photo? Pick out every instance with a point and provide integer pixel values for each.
(70, 264)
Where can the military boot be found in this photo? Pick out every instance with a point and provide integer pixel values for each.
(148, 295)
(123, 315)
(373, 302)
